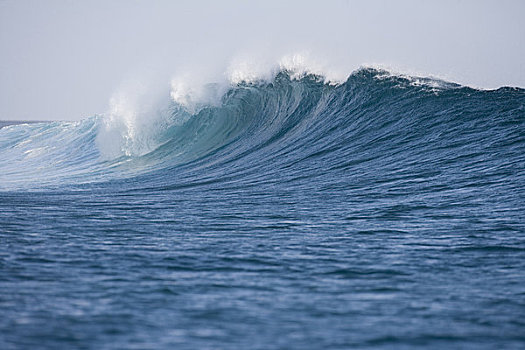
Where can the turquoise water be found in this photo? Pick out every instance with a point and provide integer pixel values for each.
(383, 212)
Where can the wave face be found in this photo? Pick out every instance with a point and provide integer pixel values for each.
(383, 211)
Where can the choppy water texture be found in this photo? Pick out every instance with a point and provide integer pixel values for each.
(384, 212)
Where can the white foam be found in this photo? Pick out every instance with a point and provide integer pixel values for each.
(301, 64)
(413, 78)
(132, 125)
(250, 69)
(194, 94)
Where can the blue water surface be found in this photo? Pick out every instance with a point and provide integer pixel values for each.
(384, 213)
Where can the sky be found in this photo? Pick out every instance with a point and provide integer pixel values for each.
(64, 60)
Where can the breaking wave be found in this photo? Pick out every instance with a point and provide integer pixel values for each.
(290, 124)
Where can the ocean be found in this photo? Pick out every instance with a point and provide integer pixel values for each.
(381, 212)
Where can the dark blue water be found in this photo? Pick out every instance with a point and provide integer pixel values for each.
(385, 212)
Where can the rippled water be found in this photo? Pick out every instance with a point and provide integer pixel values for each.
(385, 212)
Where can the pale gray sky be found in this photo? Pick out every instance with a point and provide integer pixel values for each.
(63, 60)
